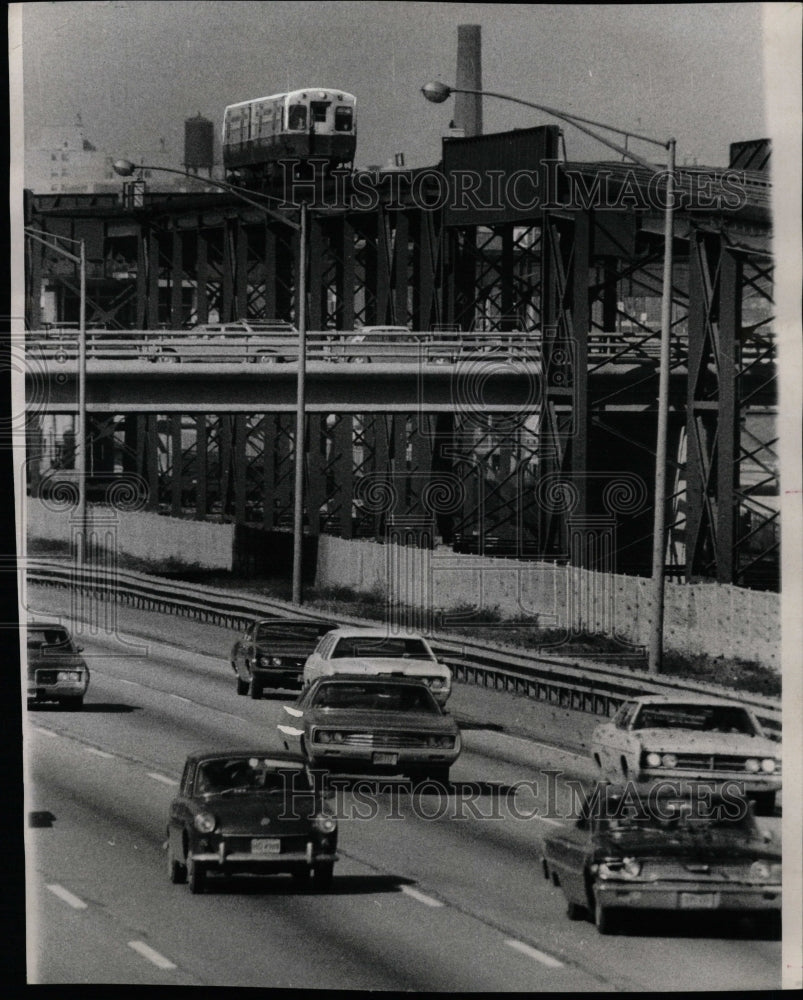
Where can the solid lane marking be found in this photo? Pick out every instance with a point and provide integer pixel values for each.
(415, 894)
(531, 952)
(44, 732)
(66, 896)
(161, 777)
(98, 753)
(153, 956)
(546, 819)
(180, 697)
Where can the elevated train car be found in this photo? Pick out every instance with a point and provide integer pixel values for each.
(300, 125)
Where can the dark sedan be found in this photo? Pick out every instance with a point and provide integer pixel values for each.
(272, 651)
(56, 669)
(357, 724)
(667, 847)
(249, 811)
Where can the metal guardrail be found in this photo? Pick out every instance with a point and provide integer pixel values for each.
(587, 688)
(277, 346)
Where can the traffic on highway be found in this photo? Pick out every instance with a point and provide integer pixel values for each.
(408, 839)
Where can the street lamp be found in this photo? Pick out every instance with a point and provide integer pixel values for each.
(437, 93)
(80, 443)
(125, 168)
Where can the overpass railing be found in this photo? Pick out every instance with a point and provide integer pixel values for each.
(587, 687)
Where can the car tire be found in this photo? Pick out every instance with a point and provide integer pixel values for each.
(73, 704)
(440, 775)
(322, 874)
(176, 871)
(242, 686)
(255, 689)
(574, 911)
(764, 803)
(196, 875)
(604, 920)
(301, 874)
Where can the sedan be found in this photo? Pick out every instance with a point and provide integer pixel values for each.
(357, 724)
(373, 651)
(56, 669)
(665, 847)
(689, 737)
(248, 811)
(271, 653)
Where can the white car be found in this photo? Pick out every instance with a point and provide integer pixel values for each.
(373, 651)
(689, 737)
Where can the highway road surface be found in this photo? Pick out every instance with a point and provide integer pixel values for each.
(434, 891)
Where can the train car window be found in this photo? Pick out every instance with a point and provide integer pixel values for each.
(319, 109)
(296, 117)
(343, 118)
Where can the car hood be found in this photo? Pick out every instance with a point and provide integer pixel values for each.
(247, 813)
(352, 718)
(389, 665)
(684, 844)
(688, 741)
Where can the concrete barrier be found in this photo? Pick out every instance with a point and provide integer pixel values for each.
(711, 618)
(141, 534)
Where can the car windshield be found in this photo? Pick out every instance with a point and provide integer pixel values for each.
(50, 640)
(291, 632)
(381, 647)
(668, 815)
(705, 718)
(250, 774)
(376, 697)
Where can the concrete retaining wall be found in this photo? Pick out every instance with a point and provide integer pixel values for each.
(141, 534)
(717, 619)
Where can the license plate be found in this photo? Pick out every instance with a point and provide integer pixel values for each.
(698, 900)
(266, 845)
(385, 758)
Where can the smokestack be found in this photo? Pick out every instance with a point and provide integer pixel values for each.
(468, 107)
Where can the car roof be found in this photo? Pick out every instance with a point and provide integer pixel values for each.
(282, 755)
(352, 631)
(686, 699)
(278, 620)
(383, 679)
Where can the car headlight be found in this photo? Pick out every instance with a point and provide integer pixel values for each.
(325, 824)
(322, 736)
(205, 822)
(669, 760)
(68, 675)
(768, 765)
(653, 760)
(751, 765)
(436, 682)
(766, 871)
(337, 737)
(276, 661)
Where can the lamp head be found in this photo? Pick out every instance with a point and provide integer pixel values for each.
(125, 168)
(436, 92)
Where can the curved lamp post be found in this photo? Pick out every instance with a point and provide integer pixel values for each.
(125, 168)
(437, 93)
(80, 437)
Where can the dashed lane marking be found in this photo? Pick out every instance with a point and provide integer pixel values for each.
(152, 956)
(161, 777)
(98, 753)
(180, 697)
(66, 896)
(44, 732)
(539, 956)
(415, 894)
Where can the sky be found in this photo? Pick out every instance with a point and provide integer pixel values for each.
(136, 69)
